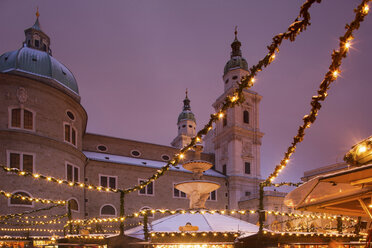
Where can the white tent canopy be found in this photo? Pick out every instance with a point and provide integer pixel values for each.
(206, 223)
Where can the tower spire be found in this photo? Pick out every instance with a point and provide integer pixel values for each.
(186, 102)
(236, 45)
(37, 12)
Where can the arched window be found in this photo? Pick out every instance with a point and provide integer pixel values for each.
(20, 201)
(149, 215)
(21, 118)
(74, 205)
(224, 120)
(108, 210)
(246, 116)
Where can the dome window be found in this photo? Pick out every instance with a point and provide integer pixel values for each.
(190, 126)
(135, 153)
(235, 77)
(165, 157)
(6, 58)
(63, 72)
(34, 59)
(70, 115)
(37, 43)
(102, 148)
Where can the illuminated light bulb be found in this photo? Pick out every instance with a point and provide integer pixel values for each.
(181, 155)
(90, 187)
(209, 128)
(335, 74)
(49, 178)
(197, 139)
(234, 98)
(22, 173)
(222, 212)
(362, 149)
(347, 45)
(272, 56)
(60, 181)
(220, 115)
(107, 189)
(36, 175)
(366, 9)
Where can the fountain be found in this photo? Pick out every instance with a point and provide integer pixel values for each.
(197, 190)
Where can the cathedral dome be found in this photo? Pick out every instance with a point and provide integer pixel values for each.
(186, 115)
(37, 63)
(236, 63)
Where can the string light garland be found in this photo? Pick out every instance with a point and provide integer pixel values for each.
(30, 229)
(299, 25)
(19, 215)
(332, 74)
(205, 211)
(31, 199)
(311, 234)
(30, 223)
(58, 181)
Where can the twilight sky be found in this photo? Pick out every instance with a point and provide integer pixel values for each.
(133, 61)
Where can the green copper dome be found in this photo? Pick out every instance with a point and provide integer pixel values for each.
(235, 63)
(38, 63)
(236, 60)
(186, 113)
(34, 59)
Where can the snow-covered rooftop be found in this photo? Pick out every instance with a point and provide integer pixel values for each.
(206, 223)
(104, 157)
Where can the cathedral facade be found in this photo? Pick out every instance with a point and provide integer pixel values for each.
(43, 131)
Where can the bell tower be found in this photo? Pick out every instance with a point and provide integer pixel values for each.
(186, 124)
(236, 138)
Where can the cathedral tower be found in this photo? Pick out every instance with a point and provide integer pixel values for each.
(186, 125)
(236, 139)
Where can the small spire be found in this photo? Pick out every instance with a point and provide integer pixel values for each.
(37, 12)
(236, 45)
(186, 102)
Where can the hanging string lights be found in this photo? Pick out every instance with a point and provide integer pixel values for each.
(31, 199)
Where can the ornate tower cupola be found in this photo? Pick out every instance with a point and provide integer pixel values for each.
(237, 66)
(36, 38)
(186, 125)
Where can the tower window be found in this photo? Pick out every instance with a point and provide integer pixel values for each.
(183, 125)
(21, 161)
(21, 118)
(226, 81)
(108, 181)
(72, 173)
(235, 77)
(224, 169)
(37, 43)
(247, 193)
(44, 47)
(190, 126)
(246, 116)
(224, 121)
(102, 148)
(18, 202)
(213, 196)
(148, 190)
(247, 168)
(165, 157)
(178, 194)
(70, 134)
(108, 210)
(70, 115)
(135, 153)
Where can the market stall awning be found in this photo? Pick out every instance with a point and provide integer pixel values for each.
(347, 192)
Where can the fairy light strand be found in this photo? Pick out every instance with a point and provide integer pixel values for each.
(31, 199)
(332, 74)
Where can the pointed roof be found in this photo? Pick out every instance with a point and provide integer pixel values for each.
(186, 113)
(236, 60)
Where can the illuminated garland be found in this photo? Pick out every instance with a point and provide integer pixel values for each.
(30, 223)
(311, 234)
(194, 234)
(285, 184)
(204, 211)
(31, 199)
(41, 216)
(300, 24)
(19, 215)
(58, 181)
(332, 74)
(30, 229)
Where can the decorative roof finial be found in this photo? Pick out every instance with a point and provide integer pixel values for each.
(236, 32)
(186, 92)
(186, 102)
(37, 12)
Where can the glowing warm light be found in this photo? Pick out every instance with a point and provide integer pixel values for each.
(335, 74)
(366, 9)
(347, 45)
(181, 156)
(362, 149)
(220, 115)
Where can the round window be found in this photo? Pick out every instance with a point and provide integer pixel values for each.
(70, 115)
(165, 157)
(235, 77)
(102, 148)
(135, 153)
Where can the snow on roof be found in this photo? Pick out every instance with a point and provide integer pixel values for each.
(206, 223)
(104, 157)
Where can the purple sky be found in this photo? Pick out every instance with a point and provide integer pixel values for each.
(133, 61)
